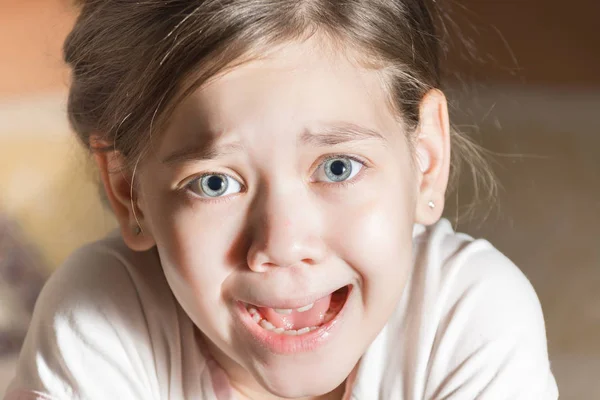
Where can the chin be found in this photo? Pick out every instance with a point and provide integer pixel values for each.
(295, 378)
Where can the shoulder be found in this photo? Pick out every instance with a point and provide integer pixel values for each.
(105, 280)
(459, 271)
(106, 271)
(481, 319)
(106, 315)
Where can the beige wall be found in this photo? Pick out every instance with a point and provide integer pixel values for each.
(31, 35)
(45, 181)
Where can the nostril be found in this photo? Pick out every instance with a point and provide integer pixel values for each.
(270, 265)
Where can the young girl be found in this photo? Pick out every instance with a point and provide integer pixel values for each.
(278, 170)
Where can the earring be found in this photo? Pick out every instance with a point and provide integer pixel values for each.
(431, 205)
(137, 230)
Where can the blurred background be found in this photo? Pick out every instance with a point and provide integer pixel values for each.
(524, 82)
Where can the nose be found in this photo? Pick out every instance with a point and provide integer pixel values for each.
(285, 230)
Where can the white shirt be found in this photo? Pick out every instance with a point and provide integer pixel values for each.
(469, 326)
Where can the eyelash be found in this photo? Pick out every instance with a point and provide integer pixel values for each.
(343, 184)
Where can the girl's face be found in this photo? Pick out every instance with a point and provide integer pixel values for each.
(284, 192)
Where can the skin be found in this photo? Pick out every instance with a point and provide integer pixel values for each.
(288, 231)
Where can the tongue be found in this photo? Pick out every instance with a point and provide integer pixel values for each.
(298, 320)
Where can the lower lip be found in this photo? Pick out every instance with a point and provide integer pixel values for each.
(289, 344)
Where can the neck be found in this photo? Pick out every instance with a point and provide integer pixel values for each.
(248, 394)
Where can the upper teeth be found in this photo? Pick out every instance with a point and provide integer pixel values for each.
(306, 308)
(287, 311)
(270, 327)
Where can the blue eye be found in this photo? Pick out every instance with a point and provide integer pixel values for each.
(214, 185)
(338, 169)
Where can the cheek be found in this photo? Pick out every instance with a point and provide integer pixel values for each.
(193, 253)
(197, 248)
(193, 237)
(377, 239)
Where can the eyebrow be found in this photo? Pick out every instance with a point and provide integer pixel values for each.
(339, 133)
(203, 152)
(325, 136)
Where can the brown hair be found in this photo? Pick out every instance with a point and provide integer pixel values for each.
(133, 62)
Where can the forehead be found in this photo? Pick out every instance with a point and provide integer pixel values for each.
(288, 91)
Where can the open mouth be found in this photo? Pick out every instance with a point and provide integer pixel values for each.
(303, 320)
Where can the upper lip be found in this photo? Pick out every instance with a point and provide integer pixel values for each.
(286, 287)
(289, 302)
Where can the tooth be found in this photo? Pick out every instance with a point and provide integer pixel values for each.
(305, 308)
(256, 317)
(303, 330)
(253, 311)
(267, 325)
(279, 330)
(285, 311)
(291, 332)
(312, 328)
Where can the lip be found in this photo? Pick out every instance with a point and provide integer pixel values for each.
(285, 344)
(292, 303)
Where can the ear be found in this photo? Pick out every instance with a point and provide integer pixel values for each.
(122, 195)
(432, 157)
